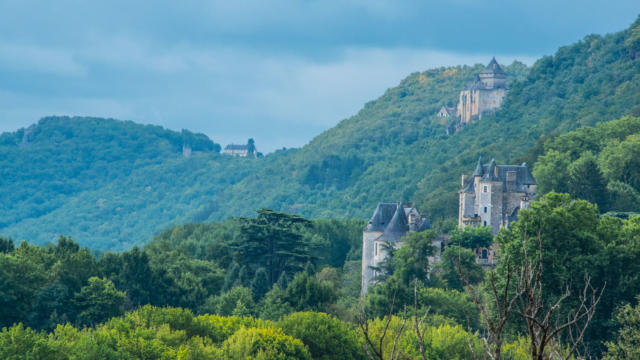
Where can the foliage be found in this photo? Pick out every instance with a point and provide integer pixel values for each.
(472, 237)
(325, 336)
(578, 242)
(457, 261)
(598, 164)
(628, 344)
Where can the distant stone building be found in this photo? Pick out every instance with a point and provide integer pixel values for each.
(389, 223)
(484, 95)
(447, 112)
(247, 150)
(494, 194)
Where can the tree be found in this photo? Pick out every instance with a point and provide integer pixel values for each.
(627, 346)
(585, 181)
(98, 301)
(227, 302)
(456, 259)
(307, 293)
(326, 336)
(6, 245)
(472, 237)
(550, 172)
(412, 259)
(263, 344)
(260, 284)
(274, 241)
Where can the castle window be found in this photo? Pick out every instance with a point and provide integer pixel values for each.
(484, 223)
(485, 209)
(485, 188)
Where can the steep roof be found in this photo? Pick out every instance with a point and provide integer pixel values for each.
(398, 226)
(493, 68)
(493, 172)
(381, 217)
(479, 169)
(236, 147)
(391, 219)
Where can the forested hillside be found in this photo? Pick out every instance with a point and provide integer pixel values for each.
(394, 149)
(111, 184)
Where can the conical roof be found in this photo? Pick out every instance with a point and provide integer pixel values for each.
(491, 171)
(398, 226)
(493, 68)
(381, 217)
(479, 169)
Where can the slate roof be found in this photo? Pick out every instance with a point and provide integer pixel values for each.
(392, 221)
(493, 172)
(236, 147)
(493, 68)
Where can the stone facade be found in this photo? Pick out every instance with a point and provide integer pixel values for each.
(482, 96)
(240, 150)
(389, 223)
(494, 195)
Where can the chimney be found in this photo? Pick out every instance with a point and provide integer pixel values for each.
(464, 180)
(511, 181)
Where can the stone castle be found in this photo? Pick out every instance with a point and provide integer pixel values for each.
(494, 194)
(492, 197)
(389, 223)
(482, 96)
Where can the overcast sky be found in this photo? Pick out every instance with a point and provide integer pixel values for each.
(278, 71)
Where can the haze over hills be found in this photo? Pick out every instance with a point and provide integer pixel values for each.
(112, 184)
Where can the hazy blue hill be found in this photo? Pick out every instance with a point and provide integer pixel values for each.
(395, 149)
(108, 183)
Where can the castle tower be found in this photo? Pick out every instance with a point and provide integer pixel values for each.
(389, 223)
(484, 95)
(495, 194)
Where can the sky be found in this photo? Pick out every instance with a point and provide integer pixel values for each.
(278, 71)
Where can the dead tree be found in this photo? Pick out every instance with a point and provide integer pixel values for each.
(542, 322)
(504, 304)
(418, 323)
(375, 350)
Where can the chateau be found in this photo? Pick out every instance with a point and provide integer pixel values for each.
(389, 223)
(494, 194)
(492, 197)
(248, 150)
(482, 96)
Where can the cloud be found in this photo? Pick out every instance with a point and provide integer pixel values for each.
(280, 71)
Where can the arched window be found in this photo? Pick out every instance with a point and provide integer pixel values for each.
(484, 253)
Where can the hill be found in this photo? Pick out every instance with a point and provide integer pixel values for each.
(395, 149)
(111, 184)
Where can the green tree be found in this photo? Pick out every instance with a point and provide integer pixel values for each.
(585, 181)
(227, 302)
(260, 284)
(412, 259)
(456, 259)
(326, 337)
(274, 241)
(550, 172)
(472, 237)
(98, 301)
(307, 293)
(263, 344)
(627, 345)
(6, 245)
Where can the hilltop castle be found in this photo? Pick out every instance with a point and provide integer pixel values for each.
(494, 194)
(481, 96)
(389, 223)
